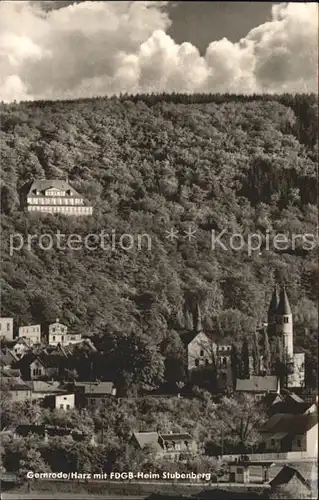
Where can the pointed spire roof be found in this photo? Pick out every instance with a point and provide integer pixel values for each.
(274, 303)
(283, 306)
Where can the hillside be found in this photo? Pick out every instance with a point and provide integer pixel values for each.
(149, 163)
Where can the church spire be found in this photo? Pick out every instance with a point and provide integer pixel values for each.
(283, 307)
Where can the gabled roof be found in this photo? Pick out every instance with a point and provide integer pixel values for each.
(189, 336)
(49, 387)
(176, 436)
(283, 306)
(257, 383)
(290, 424)
(96, 387)
(43, 185)
(148, 439)
(285, 476)
(8, 357)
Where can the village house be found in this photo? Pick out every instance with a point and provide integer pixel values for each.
(18, 390)
(258, 386)
(173, 446)
(6, 328)
(54, 196)
(59, 401)
(41, 389)
(288, 403)
(284, 433)
(58, 334)
(289, 481)
(93, 394)
(31, 334)
(38, 366)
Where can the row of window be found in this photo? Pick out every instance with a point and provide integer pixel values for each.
(55, 201)
(67, 407)
(60, 209)
(8, 327)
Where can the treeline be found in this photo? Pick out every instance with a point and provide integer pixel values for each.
(244, 164)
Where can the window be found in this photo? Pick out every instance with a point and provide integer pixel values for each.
(61, 407)
(224, 361)
(299, 443)
(239, 470)
(202, 352)
(67, 407)
(103, 400)
(65, 397)
(53, 329)
(196, 362)
(286, 320)
(92, 401)
(8, 327)
(53, 338)
(272, 442)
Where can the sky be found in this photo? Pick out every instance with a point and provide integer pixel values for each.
(65, 49)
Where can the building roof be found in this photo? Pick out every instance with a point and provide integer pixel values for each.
(285, 476)
(147, 439)
(283, 306)
(257, 383)
(290, 424)
(176, 436)
(8, 357)
(96, 387)
(43, 185)
(49, 387)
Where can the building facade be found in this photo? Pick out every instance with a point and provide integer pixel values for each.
(6, 328)
(58, 334)
(31, 333)
(55, 196)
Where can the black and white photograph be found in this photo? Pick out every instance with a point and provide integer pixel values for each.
(159, 250)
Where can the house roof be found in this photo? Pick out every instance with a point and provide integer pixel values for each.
(290, 424)
(96, 387)
(147, 439)
(176, 436)
(257, 383)
(43, 185)
(285, 476)
(41, 386)
(8, 357)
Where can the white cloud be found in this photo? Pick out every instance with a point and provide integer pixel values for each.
(96, 48)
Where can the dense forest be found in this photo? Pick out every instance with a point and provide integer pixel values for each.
(149, 163)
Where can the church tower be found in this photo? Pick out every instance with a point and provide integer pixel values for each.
(274, 303)
(284, 323)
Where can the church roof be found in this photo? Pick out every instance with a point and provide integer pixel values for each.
(283, 306)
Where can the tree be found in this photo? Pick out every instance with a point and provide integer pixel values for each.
(241, 418)
(235, 364)
(256, 354)
(245, 371)
(266, 353)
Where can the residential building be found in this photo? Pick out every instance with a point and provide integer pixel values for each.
(43, 365)
(6, 328)
(258, 386)
(173, 446)
(41, 389)
(31, 333)
(289, 403)
(290, 481)
(60, 401)
(285, 433)
(93, 394)
(54, 196)
(58, 334)
(19, 392)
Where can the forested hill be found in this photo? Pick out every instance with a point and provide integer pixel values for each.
(149, 163)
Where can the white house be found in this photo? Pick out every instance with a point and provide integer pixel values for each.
(58, 334)
(6, 328)
(31, 333)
